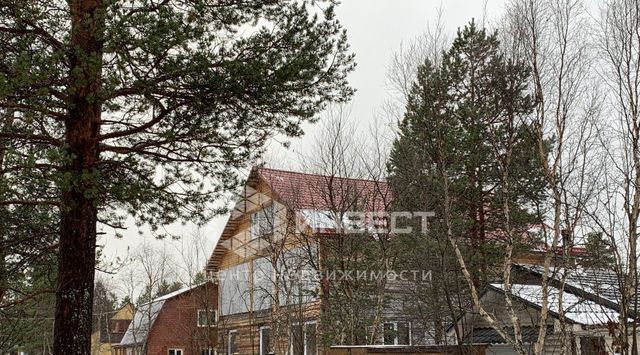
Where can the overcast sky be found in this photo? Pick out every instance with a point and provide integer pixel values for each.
(376, 29)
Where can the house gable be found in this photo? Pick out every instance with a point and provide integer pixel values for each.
(150, 316)
(301, 198)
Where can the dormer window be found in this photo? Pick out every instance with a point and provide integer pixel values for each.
(262, 222)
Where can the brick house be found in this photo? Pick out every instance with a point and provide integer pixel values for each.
(179, 323)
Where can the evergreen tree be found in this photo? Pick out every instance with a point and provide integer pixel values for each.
(147, 109)
(125, 301)
(105, 303)
(162, 288)
(26, 315)
(600, 252)
(462, 116)
(166, 287)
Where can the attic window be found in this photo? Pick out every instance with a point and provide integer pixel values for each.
(115, 326)
(262, 222)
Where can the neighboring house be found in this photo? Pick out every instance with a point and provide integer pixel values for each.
(179, 323)
(589, 306)
(111, 330)
(272, 237)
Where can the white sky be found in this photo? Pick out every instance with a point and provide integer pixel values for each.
(376, 29)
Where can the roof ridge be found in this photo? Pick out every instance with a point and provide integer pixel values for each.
(318, 175)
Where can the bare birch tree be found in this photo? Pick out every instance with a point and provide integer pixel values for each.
(550, 37)
(618, 209)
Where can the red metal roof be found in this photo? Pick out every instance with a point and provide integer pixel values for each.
(301, 191)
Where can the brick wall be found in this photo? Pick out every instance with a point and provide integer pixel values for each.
(176, 325)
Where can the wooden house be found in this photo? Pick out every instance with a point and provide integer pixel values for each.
(269, 252)
(589, 304)
(111, 331)
(275, 238)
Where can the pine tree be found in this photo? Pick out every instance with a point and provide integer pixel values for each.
(462, 115)
(148, 109)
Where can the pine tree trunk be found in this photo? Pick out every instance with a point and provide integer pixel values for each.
(76, 261)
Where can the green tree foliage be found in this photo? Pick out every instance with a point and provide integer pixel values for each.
(105, 303)
(28, 239)
(466, 117)
(152, 292)
(125, 301)
(600, 252)
(147, 109)
(26, 316)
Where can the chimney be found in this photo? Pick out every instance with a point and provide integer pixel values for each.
(567, 241)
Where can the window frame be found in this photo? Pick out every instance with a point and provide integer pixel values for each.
(396, 337)
(261, 340)
(213, 311)
(175, 350)
(262, 283)
(297, 290)
(304, 336)
(266, 213)
(232, 299)
(232, 331)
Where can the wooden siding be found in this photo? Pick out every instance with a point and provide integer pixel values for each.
(248, 327)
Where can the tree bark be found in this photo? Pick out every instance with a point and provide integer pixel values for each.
(76, 260)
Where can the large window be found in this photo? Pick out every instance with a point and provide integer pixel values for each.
(234, 289)
(263, 285)
(233, 342)
(262, 222)
(396, 333)
(265, 340)
(206, 317)
(303, 339)
(298, 277)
